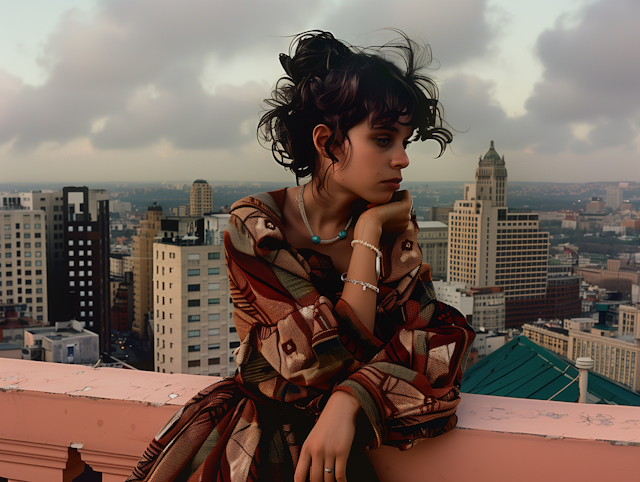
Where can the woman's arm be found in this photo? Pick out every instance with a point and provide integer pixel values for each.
(329, 443)
(390, 217)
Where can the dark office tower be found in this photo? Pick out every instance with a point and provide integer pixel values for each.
(86, 257)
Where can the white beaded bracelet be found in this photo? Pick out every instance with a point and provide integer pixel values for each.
(364, 284)
(368, 245)
(377, 251)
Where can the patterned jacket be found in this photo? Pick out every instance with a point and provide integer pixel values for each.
(298, 347)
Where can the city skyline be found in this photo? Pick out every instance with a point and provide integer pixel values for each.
(108, 90)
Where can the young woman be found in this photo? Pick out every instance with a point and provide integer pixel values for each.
(344, 345)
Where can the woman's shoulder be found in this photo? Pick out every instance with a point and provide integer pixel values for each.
(255, 225)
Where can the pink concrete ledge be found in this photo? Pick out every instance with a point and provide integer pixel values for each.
(56, 418)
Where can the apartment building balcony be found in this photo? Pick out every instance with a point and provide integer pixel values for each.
(56, 418)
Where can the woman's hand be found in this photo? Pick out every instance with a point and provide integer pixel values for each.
(393, 216)
(329, 442)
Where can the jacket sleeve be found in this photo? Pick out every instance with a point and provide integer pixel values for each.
(297, 344)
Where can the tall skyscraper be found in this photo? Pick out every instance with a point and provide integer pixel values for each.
(143, 269)
(614, 197)
(50, 203)
(23, 266)
(193, 326)
(201, 200)
(86, 228)
(491, 246)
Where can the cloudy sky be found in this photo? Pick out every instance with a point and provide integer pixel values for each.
(162, 90)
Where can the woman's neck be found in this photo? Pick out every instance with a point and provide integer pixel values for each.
(327, 212)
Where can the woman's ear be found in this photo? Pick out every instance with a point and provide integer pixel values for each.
(321, 134)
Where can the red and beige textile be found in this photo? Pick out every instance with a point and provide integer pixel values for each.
(300, 343)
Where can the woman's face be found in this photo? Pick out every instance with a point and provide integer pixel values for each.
(371, 160)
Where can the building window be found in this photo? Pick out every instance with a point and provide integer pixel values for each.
(214, 346)
(214, 255)
(193, 287)
(193, 303)
(214, 271)
(214, 286)
(193, 333)
(234, 344)
(214, 361)
(214, 316)
(193, 256)
(214, 331)
(194, 348)
(193, 318)
(194, 363)
(193, 272)
(214, 301)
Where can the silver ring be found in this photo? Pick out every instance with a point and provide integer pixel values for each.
(328, 470)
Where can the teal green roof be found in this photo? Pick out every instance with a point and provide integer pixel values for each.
(492, 154)
(522, 369)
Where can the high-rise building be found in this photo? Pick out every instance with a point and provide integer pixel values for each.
(433, 239)
(50, 202)
(143, 269)
(614, 197)
(201, 200)
(23, 263)
(193, 325)
(490, 245)
(86, 295)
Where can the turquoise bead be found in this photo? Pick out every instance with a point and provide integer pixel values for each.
(315, 239)
(342, 234)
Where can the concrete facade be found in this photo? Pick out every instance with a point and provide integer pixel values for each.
(66, 342)
(194, 328)
(484, 307)
(433, 237)
(201, 200)
(489, 246)
(23, 262)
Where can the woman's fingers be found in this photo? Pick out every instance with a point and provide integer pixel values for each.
(303, 466)
(328, 475)
(340, 470)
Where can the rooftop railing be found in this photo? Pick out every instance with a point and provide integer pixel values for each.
(56, 418)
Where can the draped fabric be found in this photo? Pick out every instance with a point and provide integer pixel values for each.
(300, 343)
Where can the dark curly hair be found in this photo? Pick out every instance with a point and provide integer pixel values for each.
(328, 82)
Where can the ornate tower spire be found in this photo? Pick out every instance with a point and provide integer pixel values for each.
(491, 178)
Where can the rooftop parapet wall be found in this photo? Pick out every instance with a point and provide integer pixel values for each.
(57, 417)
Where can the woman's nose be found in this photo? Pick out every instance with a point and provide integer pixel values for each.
(400, 160)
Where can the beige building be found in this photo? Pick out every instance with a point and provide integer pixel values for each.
(51, 203)
(489, 246)
(201, 200)
(555, 340)
(23, 262)
(193, 325)
(629, 320)
(433, 239)
(615, 357)
(143, 269)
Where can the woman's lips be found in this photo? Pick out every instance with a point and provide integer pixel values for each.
(393, 183)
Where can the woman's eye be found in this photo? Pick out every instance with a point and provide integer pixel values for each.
(383, 141)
